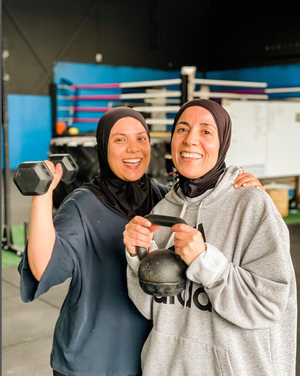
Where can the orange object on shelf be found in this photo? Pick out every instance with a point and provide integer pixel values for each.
(61, 126)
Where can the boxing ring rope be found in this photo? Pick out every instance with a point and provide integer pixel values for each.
(227, 95)
(149, 121)
(175, 81)
(72, 109)
(266, 91)
(204, 81)
(161, 95)
(104, 109)
(170, 109)
(283, 90)
(164, 94)
(205, 91)
(153, 100)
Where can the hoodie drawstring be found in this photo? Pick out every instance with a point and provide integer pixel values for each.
(171, 238)
(199, 211)
(188, 282)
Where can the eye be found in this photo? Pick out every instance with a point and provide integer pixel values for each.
(181, 130)
(142, 138)
(120, 139)
(206, 132)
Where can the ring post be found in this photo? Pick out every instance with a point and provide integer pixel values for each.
(184, 89)
(187, 87)
(53, 93)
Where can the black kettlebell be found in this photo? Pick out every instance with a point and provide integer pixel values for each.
(161, 272)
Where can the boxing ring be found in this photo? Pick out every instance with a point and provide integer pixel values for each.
(158, 100)
(76, 109)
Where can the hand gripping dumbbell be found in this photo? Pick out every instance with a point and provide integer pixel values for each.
(34, 178)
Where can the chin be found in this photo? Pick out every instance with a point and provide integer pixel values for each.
(133, 177)
(189, 174)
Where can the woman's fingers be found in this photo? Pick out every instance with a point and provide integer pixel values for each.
(57, 172)
(242, 178)
(153, 228)
(247, 180)
(188, 243)
(137, 233)
(140, 221)
(182, 228)
(136, 240)
(132, 228)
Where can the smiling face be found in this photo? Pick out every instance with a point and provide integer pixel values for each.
(195, 143)
(128, 149)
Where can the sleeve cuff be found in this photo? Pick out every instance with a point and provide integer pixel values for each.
(207, 267)
(132, 261)
(153, 246)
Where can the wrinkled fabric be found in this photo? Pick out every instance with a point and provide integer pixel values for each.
(99, 332)
(238, 313)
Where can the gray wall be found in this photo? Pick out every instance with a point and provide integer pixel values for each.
(164, 34)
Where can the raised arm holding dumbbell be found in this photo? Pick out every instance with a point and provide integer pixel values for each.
(41, 230)
(39, 179)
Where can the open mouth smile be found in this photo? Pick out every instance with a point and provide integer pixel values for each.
(184, 154)
(132, 162)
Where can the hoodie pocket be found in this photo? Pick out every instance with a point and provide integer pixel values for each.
(165, 355)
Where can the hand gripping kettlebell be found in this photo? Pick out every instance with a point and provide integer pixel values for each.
(161, 272)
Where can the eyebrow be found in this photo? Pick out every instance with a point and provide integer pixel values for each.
(188, 124)
(124, 134)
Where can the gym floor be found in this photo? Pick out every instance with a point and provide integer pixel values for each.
(27, 329)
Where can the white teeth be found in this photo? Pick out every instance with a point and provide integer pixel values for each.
(131, 160)
(190, 155)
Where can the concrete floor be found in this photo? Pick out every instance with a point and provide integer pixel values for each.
(27, 329)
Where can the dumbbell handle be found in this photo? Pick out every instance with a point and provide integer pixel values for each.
(58, 158)
(160, 220)
(164, 220)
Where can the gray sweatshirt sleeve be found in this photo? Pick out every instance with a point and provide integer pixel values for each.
(142, 301)
(254, 291)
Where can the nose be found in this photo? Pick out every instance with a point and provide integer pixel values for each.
(132, 147)
(192, 138)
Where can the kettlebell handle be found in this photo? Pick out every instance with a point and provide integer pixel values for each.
(160, 220)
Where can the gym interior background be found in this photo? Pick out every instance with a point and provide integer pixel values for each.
(95, 42)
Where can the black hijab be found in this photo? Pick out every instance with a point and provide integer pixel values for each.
(196, 187)
(127, 199)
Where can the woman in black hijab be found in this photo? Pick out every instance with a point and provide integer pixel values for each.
(125, 198)
(239, 304)
(99, 331)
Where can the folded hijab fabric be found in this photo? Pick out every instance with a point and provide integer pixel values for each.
(127, 199)
(196, 187)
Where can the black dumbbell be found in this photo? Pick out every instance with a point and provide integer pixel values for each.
(34, 178)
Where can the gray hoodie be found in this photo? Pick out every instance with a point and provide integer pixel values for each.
(238, 313)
